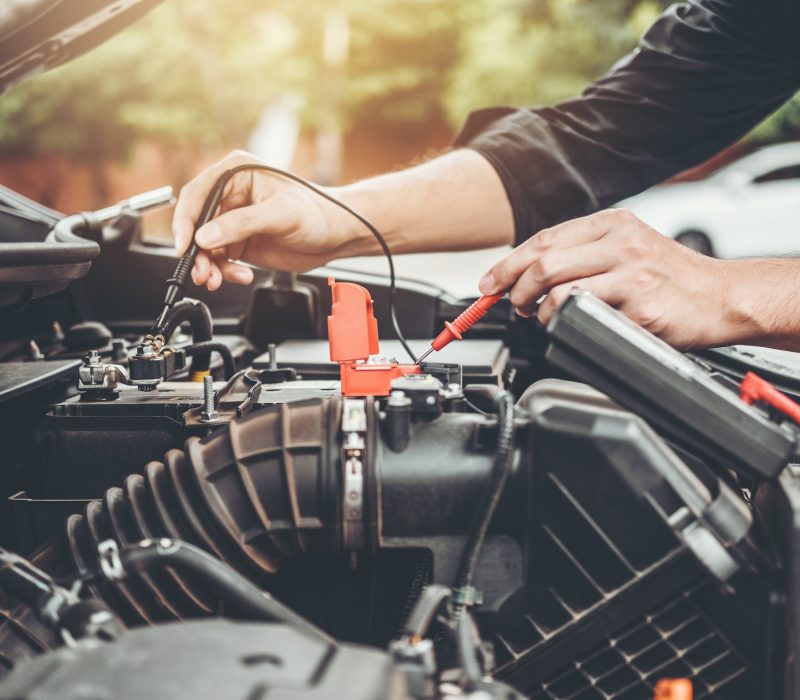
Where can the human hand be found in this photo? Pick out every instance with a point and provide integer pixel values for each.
(263, 219)
(674, 292)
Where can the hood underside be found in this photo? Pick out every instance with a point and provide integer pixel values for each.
(36, 35)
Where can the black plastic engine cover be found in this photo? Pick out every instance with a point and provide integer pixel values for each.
(639, 565)
(209, 660)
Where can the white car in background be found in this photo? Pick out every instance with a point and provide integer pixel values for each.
(748, 208)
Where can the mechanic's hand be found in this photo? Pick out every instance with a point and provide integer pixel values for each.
(263, 219)
(672, 291)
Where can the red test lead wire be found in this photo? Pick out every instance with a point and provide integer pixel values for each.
(454, 330)
(753, 388)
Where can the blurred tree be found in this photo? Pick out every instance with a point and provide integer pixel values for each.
(187, 74)
(541, 51)
(195, 76)
(783, 125)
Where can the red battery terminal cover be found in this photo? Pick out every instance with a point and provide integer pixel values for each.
(753, 388)
(353, 338)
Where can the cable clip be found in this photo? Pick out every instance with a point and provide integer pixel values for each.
(110, 562)
(467, 596)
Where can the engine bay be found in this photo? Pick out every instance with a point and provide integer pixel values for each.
(265, 502)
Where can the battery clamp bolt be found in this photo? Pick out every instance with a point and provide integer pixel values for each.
(208, 413)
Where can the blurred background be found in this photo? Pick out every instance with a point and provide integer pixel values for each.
(334, 89)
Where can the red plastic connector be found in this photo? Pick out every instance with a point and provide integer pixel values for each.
(753, 388)
(674, 689)
(353, 337)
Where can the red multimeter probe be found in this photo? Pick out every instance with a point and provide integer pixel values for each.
(454, 330)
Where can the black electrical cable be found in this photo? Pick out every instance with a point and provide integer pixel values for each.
(423, 574)
(198, 316)
(23, 580)
(206, 347)
(177, 283)
(57, 605)
(433, 598)
(501, 468)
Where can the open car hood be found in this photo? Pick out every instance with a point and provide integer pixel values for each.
(36, 35)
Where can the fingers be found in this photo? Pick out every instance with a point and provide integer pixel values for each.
(201, 269)
(235, 272)
(211, 270)
(214, 278)
(604, 286)
(559, 266)
(505, 273)
(237, 225)
(192, 196)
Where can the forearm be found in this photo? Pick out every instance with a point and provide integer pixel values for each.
(454, 202)
(762, 303)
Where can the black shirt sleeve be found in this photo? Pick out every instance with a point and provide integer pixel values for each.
(703, 75)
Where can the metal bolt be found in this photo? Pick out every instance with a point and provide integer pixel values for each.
(273, 356)
(398, 398)
(119, 349)
(34, 351)
(58, 332)
(208, 413)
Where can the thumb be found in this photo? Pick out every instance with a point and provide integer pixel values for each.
(238, 225)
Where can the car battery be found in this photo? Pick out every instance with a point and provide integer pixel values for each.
(481, 361)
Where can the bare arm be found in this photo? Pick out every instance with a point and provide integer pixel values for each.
(455, 202)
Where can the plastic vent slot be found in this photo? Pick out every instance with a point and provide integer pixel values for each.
(675, 640)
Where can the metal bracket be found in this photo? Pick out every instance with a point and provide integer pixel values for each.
(467, 596)
(110, 562)
(354, 429)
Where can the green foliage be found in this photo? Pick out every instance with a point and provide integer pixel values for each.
(403, 52)
(186, 74)
(783, 125)
(197, 75)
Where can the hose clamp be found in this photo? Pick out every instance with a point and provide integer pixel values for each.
(110, 562)
(354, 433)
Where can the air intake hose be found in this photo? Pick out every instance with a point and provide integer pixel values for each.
(292, 479)
(264, 488)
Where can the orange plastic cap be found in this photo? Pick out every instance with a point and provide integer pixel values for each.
(674, 689)
(352, 327)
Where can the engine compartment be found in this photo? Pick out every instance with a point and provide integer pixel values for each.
(634, 526)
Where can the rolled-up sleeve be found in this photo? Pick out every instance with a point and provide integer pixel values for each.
(702, 76)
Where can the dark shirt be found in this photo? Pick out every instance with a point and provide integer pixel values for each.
(703, 75)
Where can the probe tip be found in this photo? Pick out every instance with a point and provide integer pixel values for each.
(424, 355)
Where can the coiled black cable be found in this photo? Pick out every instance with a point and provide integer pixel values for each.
(196, 313)
(177, 283)
(205, 347)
